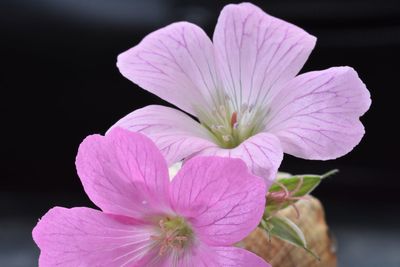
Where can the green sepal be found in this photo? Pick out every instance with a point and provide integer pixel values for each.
(286, 230)
(298, 186)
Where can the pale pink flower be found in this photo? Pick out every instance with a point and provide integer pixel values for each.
(146, 220)
(243, 89)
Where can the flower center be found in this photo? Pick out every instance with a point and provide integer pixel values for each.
(175, 234)
(230, 124)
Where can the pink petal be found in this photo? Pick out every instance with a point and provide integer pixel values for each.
(232, 256)
(175, 133)
(175, 63)
(202, 255)
(124, 173)
(316, 115)
(199, 255)
(262, 153)
(87, 237)
(221, 199)
(256, 53)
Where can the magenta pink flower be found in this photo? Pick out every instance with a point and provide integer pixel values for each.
(243, 89)
(146, 220)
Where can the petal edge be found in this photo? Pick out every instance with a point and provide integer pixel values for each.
(316, 115)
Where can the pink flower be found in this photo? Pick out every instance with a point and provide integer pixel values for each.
(243, 89)
(146, 220)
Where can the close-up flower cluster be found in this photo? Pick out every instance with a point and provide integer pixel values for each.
(240, 105)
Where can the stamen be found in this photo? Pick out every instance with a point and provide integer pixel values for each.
(162, 225)
(231, 122)
(174, 234)
(233, 119)
(222, 110)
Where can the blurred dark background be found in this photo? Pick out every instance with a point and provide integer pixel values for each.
(59, 83)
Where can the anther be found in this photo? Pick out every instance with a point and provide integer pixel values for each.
(233, 118)
(175, 234)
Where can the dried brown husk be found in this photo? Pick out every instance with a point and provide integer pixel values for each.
(282, 254)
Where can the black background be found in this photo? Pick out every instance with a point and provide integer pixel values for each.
(59, 83)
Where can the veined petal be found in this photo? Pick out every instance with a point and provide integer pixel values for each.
(175, 133)
(262, 153)
(124, 173)
(316, 115)
(87, 237)
(175, 63)
(256, 53)
(221, 199)
(199, 255)
(202, 255)
(238, 257)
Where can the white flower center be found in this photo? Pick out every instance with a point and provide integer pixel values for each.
(230, 124)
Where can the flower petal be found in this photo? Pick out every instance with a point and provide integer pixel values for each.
(238, 257)
(222, 200)
(316, 115)
(175, 133)
(257, 53)
(175, 63)
(262, 153)
(124, 173)
(87, 237)
(202, 255)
